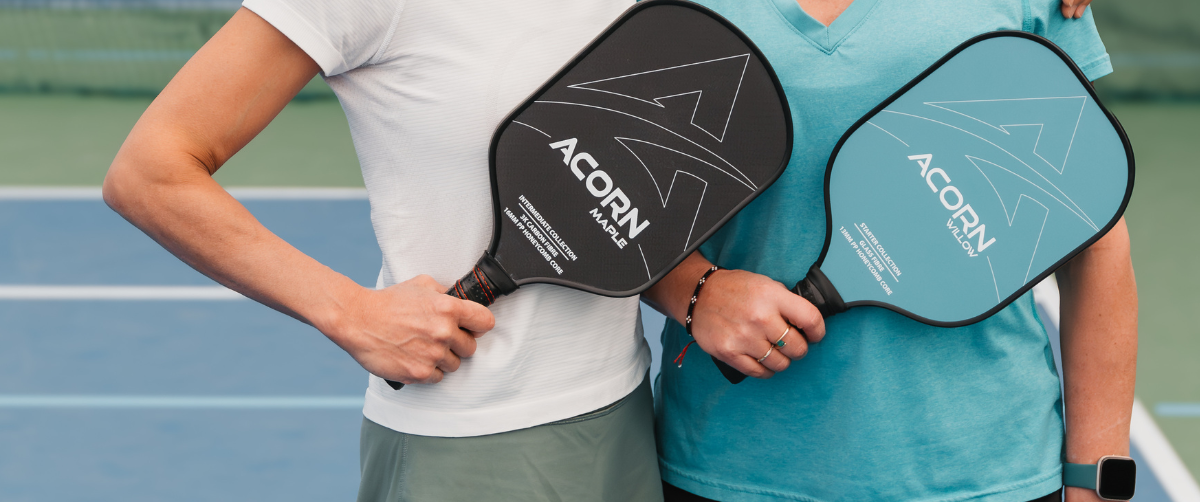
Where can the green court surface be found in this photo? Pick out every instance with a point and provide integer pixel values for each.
(1161, 220)
(69, 140)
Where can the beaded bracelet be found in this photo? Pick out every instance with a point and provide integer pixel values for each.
(696, 294)
(687, 323)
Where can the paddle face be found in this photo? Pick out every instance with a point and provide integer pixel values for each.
(973, 183)
(637, 151)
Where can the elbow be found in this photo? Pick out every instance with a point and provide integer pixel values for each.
(142, 178)
(121, 184)
(155, 162)
(115, 188)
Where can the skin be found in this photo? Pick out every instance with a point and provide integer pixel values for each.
(161, 181)
(739, 315)
(1073, 9)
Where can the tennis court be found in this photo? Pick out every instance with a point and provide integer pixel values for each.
(129, 376)
(125, 375)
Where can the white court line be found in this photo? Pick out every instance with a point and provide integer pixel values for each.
(1144, 434)
(244, 194)
(181, 402)
(153, 293)
(1176, 480)
(1187, 410)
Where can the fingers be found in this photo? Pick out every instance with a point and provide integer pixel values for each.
(449, 363)
(473, 317)
(468, 315)
(462, 343)
(428, 282)
(774, 359)
(417, 374)
(412, 332)
(794, 344)
(749, 366)
(1074, 9)
(743, 317)
(432, 362)
(758, 357)
(432, 375)
(804, 316)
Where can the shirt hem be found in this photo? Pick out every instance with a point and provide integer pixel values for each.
(483, 421)
(1019, 491)
(1097, 68)
(300, 32)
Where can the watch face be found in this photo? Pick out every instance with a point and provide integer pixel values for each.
(1117, 478)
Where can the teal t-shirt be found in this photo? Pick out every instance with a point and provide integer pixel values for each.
(885, 408)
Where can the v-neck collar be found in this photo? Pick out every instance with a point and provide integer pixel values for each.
(828, 38)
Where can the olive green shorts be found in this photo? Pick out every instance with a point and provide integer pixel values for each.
(604, 455)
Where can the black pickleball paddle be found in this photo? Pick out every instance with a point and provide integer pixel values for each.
(630, 156)
(969, 185)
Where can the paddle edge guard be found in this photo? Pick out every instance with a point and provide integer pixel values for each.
(1029, 285)
(508, 120)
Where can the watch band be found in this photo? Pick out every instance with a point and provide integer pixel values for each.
(1080, 475)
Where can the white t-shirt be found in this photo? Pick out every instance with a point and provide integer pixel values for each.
(424, 84)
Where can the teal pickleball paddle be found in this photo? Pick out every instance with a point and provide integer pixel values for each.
(969, 185)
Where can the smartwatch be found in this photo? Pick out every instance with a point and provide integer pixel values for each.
(1113, 477)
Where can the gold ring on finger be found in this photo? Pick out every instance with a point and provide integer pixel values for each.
(780, 343)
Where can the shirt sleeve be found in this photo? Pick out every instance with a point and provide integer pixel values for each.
(339, 35)
(1078, 37)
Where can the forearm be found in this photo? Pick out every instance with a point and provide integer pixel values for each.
(161, 180)
(189, 214)
(673, 293)
(1099, 348)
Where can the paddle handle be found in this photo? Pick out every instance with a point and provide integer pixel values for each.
(815, 288)
(729, 372)
(486, 282)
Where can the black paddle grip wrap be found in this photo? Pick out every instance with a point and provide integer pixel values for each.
(483, 284)
(729, 372)
(815, 288)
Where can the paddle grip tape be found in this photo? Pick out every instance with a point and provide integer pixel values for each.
(815, 288)
(483, 284)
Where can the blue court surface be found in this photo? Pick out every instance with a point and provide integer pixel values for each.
(168, 393)
(125, 375)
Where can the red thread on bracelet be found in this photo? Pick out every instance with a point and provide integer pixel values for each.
(687, 324)
(679, 358)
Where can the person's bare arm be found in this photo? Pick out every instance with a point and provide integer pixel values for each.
(161, 181)
(739, 315)
(1099, 350)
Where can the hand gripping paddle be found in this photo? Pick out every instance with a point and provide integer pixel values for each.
(632, 155)
(969, 185)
